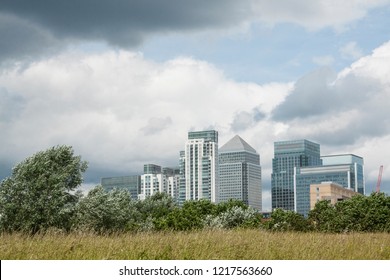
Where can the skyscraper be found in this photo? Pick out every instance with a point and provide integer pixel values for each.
(240, 173)
(287, 156)
(199, 166)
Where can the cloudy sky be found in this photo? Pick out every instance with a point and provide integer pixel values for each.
(123, 81)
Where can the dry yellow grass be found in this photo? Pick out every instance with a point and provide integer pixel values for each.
(201, 245)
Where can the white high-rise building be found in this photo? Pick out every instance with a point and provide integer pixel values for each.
(200, 164)
(156, 179)
(152, 181)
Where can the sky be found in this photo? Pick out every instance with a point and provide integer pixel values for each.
(123, 82)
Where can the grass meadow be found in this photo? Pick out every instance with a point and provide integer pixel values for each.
(241, 244)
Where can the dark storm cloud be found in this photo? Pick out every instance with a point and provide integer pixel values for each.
(319, 93)
(123, 23)
(311, 96)
(22, 39)
(357, 105)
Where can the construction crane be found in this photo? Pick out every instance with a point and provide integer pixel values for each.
(378, 183)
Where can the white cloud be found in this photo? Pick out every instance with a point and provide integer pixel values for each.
(326, 60)
(119, 110)
(156, 125)
(315, 15)
(351, 51)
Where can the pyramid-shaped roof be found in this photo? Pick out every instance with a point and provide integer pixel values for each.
(236, 144)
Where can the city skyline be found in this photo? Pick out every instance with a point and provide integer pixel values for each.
(123, 81)
(237, 173)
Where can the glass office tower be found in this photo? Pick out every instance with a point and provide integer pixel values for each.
(240, 173)
(357, 165)
(131, 183)
(345, 170)
(287, 156)
(341, 174)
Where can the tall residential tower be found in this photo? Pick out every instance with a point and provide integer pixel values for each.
(199, 167)
(159, 180)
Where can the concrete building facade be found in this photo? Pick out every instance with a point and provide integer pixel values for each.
(329, 191)
(240, 173)
(159, 180)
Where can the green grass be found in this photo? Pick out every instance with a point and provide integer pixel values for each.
(201, 245)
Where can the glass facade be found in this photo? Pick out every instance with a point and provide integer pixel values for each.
(208, 135)
(304, 177)
(130, 183)
(240, 173)
(345, 170)
(152, 169)
(356, 162)
(287, 156)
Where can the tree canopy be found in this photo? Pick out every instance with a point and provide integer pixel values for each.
(41, 192)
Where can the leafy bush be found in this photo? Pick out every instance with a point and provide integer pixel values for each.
(233, 217)
(190, 215)
(154, 212)
(282, 220)
(102, 211)
(324, 216)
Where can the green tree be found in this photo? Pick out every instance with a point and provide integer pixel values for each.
(154, 212)
(377, 216)
(360, 213)
(40, 193)
(323, 217)
(283, 220)
(231, 203)
(191, 215)
(364, 213)
(101, 211)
